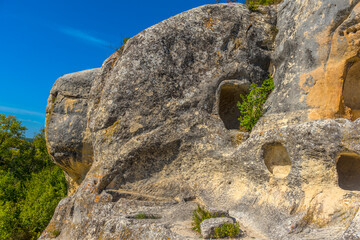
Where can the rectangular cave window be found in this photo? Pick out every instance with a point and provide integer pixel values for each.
(229, 96)
(351, 91)
(277, 160)
(348, 169)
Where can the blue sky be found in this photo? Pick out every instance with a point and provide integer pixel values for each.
(42, 40)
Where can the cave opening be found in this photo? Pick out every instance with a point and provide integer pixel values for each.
(277, 160)
(228, 98)
(348, 170)
(351, 90)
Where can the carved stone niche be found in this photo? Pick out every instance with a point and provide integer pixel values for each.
(277, 160)
(228, 95)
(351, 89)
(348, 170)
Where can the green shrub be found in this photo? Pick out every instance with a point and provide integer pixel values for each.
(56, 233)
(121, 48)
(43, 192)
(263, 2)
(145, 216)
(266, 2)
(253, 6)
(30, 184)
(251, 107)
(227, 230)
(140, 216)
(199, 215)
(125, 40)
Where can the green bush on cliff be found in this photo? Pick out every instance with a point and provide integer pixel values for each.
(199, 215)
(30, 184)
(251, 107)
(227, 230)
(253, 5)
(263, 2)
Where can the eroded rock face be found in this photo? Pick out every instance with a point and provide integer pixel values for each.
(316, 60)
(68, 140)
(154, 130)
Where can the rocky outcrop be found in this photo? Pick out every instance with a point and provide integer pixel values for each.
(316, 61)
(67, 137)
(155, 129)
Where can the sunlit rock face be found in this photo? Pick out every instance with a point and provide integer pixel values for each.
(155, 129)
(68, 141)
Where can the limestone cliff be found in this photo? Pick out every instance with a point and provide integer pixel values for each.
(155, 129)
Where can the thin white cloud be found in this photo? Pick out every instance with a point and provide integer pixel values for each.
(31, 121)
(20, 111)
(84, 36)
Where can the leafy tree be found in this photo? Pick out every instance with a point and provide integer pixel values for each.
(30, 184)
(44, 191)
(11, 135)
(42, 157)
(10, 193)
(251, 107)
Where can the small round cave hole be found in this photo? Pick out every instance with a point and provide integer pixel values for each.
(277, 160)
(351, 90)
(348, 170)
(228, 99)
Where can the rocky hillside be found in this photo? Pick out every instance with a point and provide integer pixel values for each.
(155, 130)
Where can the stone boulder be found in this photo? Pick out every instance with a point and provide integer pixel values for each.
(67, 139)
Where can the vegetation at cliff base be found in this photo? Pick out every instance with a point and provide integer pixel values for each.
(227, 230)
(251, 106)
(199, 215)
(30, 184)
(224, 230)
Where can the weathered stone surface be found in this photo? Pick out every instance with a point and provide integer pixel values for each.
(208, 225)
(68, 141)
(315, 59)
(154, 130)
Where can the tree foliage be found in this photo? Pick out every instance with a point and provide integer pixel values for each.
(30, 184)
(251, 106)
